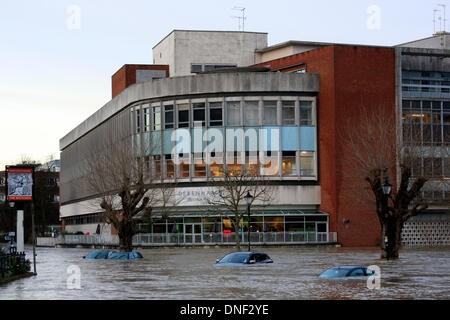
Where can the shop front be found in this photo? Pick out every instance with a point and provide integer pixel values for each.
(274, 227)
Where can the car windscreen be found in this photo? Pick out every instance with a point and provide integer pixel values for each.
(334, 273)
(235, 258)
(97, 255)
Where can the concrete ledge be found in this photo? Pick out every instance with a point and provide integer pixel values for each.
(197, 84)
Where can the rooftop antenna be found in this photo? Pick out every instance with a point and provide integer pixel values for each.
(243, 18)
(443, 6)
(434, 20)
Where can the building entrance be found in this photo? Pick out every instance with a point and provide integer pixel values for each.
(193, 233)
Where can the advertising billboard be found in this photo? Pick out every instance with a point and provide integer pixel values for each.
(20, 184)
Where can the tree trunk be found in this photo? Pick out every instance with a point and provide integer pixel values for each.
(126, 234)
(392, 228)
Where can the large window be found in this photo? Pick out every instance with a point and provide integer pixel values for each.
(199, 114)
(200, 167)
(270, 164)
(183, 115)
(305, 113)
(270, 113)
(306, 163)
(137, 119)
(251, 113)
(233, 113)
(170, 168)
(288, 113)
(289, 163)
(168, 117)
(184, 168)
(216, 166)
(157, 166)
(156, 118)
(215, 114)
(147, 119)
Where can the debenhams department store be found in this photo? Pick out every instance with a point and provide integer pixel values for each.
(279, 108)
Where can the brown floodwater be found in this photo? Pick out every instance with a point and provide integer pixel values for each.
(189, 273)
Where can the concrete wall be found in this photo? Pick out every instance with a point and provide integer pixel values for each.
(427, 230)
(438, 41)
(282, 52)
(190, 198)
(199, 84)
(182, 48)
(417, 59)
(91, 228)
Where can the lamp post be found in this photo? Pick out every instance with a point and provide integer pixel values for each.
(386, 188)
(248, 198)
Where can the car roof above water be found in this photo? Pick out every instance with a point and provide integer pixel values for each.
(347, 267)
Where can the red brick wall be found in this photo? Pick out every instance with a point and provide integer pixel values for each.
(364, 76)
(349, 76)
(126, 76)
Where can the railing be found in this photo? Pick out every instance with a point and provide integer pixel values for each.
(15, 259)
(143, 239)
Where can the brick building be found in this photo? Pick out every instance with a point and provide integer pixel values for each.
(309, 91)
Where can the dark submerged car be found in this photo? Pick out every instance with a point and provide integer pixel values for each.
(107, 254)
(346, 271)
(252, 257)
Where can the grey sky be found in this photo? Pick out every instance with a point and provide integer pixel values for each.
(54, 74)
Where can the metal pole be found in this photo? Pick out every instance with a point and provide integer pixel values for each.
(386, 215)
(33, 236)
(248, 212)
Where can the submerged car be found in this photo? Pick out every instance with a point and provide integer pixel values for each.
(107, 254)
(347, 271)
(252, 257)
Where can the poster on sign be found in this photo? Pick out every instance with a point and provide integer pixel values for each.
(20, 184)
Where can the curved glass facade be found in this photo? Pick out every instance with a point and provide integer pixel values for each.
(193, 139)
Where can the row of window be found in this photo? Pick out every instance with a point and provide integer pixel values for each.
(431, 167)
(84, 219)
(230, 113)
(424, 81)
(406, 74)
(426, 122)
(266, 223)
(426, 105)
(167, 168)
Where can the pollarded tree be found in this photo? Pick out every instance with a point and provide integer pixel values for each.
(126, 187)
(229, 189)
(379, 152)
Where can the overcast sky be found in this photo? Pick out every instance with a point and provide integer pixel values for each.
(57, 57)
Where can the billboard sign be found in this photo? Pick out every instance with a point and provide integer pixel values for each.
(20, 184)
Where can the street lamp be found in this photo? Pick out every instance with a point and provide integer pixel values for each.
(248, 198)
(386, 188)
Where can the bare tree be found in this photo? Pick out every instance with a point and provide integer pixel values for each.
(228, 191)
(120, 174)
(377, 152)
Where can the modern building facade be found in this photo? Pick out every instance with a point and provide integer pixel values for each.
(290, 102)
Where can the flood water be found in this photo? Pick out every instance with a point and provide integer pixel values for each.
(189, 273)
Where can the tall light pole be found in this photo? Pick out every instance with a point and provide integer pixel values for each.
(445, 20)
(386, 187)
(434, 20)
(249, 199)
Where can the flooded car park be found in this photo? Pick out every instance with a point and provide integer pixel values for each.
(189, 273)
